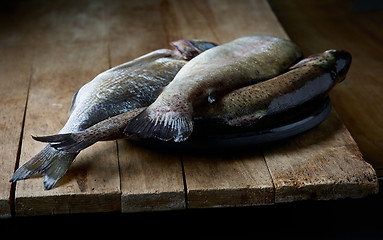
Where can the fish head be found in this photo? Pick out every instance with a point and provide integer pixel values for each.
(336, 61)
(341, 63)
(189, 49)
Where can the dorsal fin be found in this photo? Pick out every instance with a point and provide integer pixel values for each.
(73, 103)
(152, 56)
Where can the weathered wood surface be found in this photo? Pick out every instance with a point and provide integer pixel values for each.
(234, 179)
(150, 180)
(319, 25)
(14, 82)
(93, 182)
(324, 163)
(72, 42)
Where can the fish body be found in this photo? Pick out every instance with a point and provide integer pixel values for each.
(128, 86)
(210, 75)
(120, 89)
(311, 78)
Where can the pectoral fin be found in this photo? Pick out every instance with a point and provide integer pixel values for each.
(165, 126)
(191, 48)
(246, 120)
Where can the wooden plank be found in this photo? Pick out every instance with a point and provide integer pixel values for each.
(15, 68)
(134, 29)
(360, 33)
(352, 183)
(176, 26)
(189, 20)
(69, 41)
(90, 185)
(243, 18)
(92, 182)
(150, 181)
(231, 179)
(324, 163)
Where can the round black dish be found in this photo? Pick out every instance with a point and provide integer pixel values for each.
(208, 136)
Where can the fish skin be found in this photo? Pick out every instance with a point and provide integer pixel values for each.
(130, 85)
(311, 78)
(108, 129)
(120, 89)
(210, 75)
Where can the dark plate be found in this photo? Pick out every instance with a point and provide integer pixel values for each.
(270, 129)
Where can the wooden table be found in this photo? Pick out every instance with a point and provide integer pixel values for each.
(319, 25)
(50, 51)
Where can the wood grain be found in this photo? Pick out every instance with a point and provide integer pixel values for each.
(150, 180)
(324, 163)
(231, 179)
(60, 45)
(321, 25)
(15, 67)
(213, 181)
(92, 183)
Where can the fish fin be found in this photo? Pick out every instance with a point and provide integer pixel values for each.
(165, 126)
(57, 170)
(191, 48)
(52, 163)
(73, 103)
(310, 60)
(52, 138)
(70, 142)
(150, 57)
(108, 129)
(247, 120)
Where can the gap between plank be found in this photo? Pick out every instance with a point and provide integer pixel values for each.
(184, 181)
(119, 170)
(17, 162)
(271, 176)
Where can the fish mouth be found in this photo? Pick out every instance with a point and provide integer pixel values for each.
(343, 61)
(338, 61)
(191, 48)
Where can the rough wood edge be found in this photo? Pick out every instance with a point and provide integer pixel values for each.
(163, 201)
(230, 198)
(78, 203)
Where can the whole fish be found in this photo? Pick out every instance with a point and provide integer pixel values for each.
(115, 91)
(208, 76)
(309, 79)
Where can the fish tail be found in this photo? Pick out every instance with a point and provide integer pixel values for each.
(51, 163)
(70, 142)
(163, 125)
